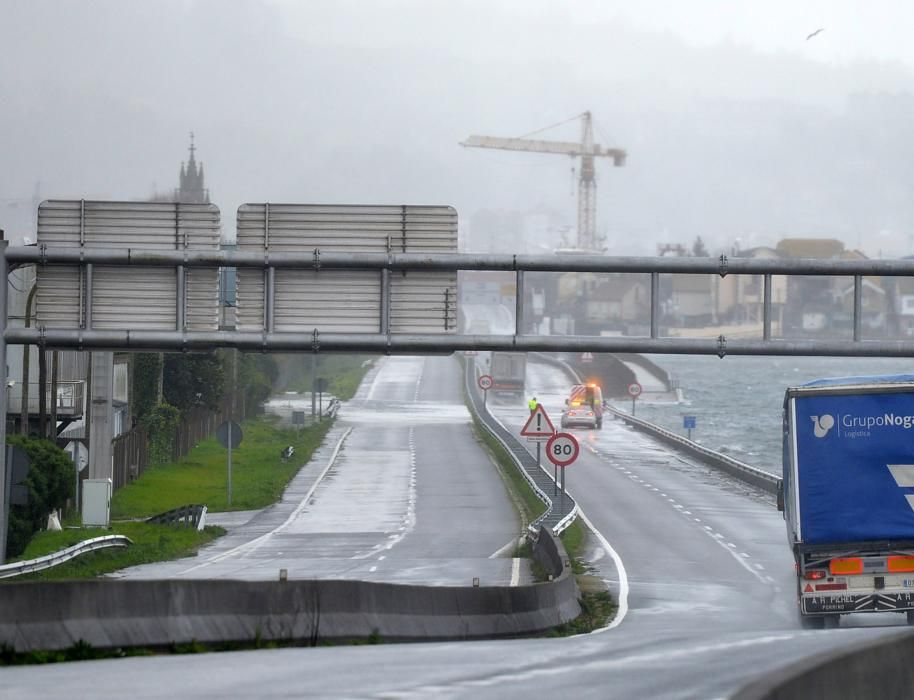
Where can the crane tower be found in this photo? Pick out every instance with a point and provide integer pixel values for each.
(587, 150)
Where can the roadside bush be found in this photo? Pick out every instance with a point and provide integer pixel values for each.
(160, 424)
(50, 483)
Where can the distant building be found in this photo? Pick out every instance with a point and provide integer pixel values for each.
(692, 300)
(191, 184)
(741, 298)
(603, 302)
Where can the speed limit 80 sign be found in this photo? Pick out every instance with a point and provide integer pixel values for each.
(562, 449)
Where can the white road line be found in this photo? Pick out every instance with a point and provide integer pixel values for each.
(372, 569)
(256, 542)
(501, 551)
(409, 519)
(622, 609)
(718, 538)
(374, 383)
(515, 571)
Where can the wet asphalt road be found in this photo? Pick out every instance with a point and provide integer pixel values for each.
(400, 492)
(699, 565)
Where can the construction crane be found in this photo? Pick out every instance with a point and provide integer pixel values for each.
(587, 183)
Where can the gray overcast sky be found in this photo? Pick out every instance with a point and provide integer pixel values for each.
(855, 29)
(737, 127)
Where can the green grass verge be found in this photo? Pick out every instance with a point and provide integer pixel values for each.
(597, 605)
(258, 473)
(151, 543)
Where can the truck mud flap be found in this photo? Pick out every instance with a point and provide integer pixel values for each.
(872, 602)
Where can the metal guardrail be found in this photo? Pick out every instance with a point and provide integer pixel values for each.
(754, 476)
(190, 515)
(559, 513)
(28, 566)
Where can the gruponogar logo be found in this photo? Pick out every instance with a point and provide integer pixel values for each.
(822, 424)
(904, 478)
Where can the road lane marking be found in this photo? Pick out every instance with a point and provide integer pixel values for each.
(622, 608)
(515, 571)
(409, 519)
(256, 542)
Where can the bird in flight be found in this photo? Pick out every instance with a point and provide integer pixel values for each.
(814, 33)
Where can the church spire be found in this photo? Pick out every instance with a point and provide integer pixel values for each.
(192, 188)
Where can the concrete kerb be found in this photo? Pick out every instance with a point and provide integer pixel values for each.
(118, 614)
(879, 669)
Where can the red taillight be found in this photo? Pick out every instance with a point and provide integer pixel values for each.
(814, 575)
(849, 565)
(899, 564)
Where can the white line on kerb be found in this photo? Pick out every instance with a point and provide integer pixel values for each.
(515, 571)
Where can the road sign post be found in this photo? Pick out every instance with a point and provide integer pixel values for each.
(321, 387)
(229, 435)
(634, 390)
(485, 382)
(688, 422)
(538, 429)
(562, 449)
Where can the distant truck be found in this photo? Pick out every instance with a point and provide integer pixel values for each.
(509, 373)
(848, 496)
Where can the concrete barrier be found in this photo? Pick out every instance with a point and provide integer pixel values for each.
(880, 669)
(110, 613)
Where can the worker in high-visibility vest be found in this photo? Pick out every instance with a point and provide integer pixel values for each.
(532, 404)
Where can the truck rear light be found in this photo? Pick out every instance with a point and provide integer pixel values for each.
(900, 564)
(848, 565)
(814, 575)
(831, 586)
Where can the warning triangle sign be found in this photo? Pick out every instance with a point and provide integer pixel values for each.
(808, 588)
(538, 424)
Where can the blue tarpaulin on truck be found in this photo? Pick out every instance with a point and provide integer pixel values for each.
(855, 464)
